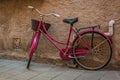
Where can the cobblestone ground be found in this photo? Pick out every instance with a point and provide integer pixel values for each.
(16, 70)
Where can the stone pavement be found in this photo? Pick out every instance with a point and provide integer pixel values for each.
(16, 70)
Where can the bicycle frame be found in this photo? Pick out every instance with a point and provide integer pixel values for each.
(64, 53)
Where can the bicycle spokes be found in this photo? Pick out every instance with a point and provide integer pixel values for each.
(98, 56)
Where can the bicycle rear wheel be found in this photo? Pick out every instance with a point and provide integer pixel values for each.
(33, 47)
(101, 52)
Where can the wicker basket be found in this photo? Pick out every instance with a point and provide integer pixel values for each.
(35, 24)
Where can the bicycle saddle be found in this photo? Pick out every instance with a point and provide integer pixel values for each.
(71, 21)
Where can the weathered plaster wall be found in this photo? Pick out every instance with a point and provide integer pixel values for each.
(15, 20)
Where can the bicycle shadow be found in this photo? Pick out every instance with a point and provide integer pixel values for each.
(112, 67)
(109, 67)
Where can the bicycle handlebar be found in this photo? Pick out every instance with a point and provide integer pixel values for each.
(41, 14)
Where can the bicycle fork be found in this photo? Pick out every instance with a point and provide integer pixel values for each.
(34, 43)
(33, 46)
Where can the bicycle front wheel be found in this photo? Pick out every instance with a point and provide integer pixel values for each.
(33, 47)
(100, 54)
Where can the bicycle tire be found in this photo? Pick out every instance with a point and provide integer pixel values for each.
(28, 64)
(33, 47)
(103, 50)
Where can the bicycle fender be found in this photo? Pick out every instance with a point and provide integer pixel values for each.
(95, 31)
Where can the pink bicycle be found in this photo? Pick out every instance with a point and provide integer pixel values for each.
(91, 48)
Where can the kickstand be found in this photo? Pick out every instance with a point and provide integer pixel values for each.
(71, 63)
